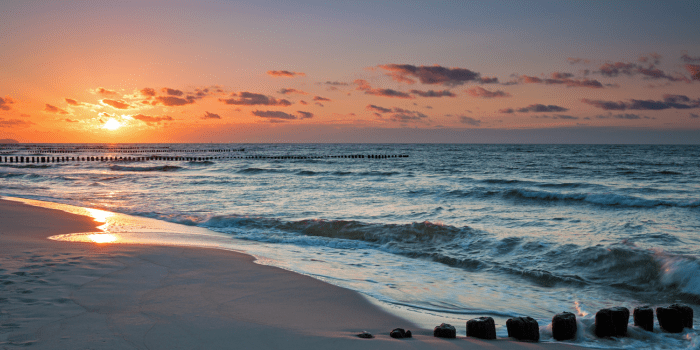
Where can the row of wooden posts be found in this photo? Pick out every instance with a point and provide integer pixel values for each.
(130, 150)
(45, 159)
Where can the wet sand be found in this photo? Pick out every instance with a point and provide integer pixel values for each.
(67, 295)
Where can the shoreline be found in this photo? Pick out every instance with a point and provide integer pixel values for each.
(69, 295)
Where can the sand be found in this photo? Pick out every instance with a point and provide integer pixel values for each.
(66, 295)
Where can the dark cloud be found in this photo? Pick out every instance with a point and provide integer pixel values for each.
(336, 83)
(406, 73)
(630, 69)
(208, 115)
(172, 92)
(274, 116)
(363, 85)
(319, 98)
(73, 102)
(506, 110)
(487, 80)
(6, 102)
(148, 92)
(562, 79)
(469, 120)
(432, 93)
(103, 91)
(693, 115)
(14, 123)
(53, 109)
(285, 73)
(302, 102)
(694, 71)
(378, 109)
(403, 116)
(689, 59)
(653, 58)
(253, 99)
(540, 108)
(292, 91)
(483, 93)
(116, 104)
(174, 101)
(562, 116)
(150, 120)
(627, 116)
(669, 102)
(305, 115)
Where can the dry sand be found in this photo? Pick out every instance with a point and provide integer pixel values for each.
(64, 295)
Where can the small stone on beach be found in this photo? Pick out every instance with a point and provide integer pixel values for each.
(399, 333)
(445, 330)
(365, 335)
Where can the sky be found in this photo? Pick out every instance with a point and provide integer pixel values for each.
(360, 71)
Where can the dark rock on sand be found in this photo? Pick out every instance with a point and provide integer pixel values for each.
(445, 330)
(564, 326)
(399, 333)
(523, 328)
(675, 317)
(644, 318)
(365, 335)
(481, 327)
(612, 322)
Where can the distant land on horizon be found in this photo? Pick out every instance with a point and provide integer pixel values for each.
(8, 141)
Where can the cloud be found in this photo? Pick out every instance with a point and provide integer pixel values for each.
(694, 71)
(175, 101)
(53, 109)
(669, 102)
(336, 83)
(378, 109)
(305, 115)
(689, 59)
(302, 102)
(627, 116)
(6, 102)
(539, 108)
(557, 116)
(14, 123)
(319, 98)
(630, 69)
(285, 73)
(150, 120)
(483, 93)
(208, 115)
(73, 102)
(253, 99)
(172, 92)
(653, 58)
(116, 104)
(562, 79)
(274, 116)
(436, 74)
(71, 120)
(506, 110)
(487, 80)
(469, 120)
(292, 91)
(148, 92)
(363, 85)
(575, 60)
(693, 115)
(103, 91)
(432, 93)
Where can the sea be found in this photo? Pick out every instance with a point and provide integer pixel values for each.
(432, 232)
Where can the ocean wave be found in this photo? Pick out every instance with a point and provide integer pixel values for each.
(604, 199)
(148, 168)
(258, 171)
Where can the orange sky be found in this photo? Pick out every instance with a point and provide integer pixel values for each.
(304, 71)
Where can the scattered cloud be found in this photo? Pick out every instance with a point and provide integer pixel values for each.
(208, 115)
(558, 78)
(652, 58)
(285, 73)
(302, 102)
(336, 83)
(73, 102)
(378, 109)
(539, 108)
(669, 102)
(694, 116)
(487, 80)
(6, 102)
(483, 93)
(319, 98)
(292, 91)
(105, 92)
(432, 93)
(148, 92)
(253, 99)
(53, 109)
(175, 101)
(116, 104)
(71, 120)
(398, 114)
(557, 116)
(150, 120)
(172, 92)
(436, 74)
(506, 110)
(14, 123)
(305, 115)
(627, 116)
(363, 85)
(274, 116)
(694, 71)
(575, 60)
(469, 120)
(630, 69)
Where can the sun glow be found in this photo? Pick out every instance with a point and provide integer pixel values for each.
(112, 124)
(102, 238)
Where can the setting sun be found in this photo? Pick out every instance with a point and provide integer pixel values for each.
(112, 124)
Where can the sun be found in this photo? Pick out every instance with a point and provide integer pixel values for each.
(112, 124)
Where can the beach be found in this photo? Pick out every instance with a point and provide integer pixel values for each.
(65, 295)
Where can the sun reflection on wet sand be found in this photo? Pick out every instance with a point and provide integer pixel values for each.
(102, 238)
